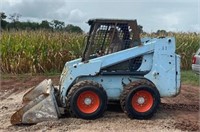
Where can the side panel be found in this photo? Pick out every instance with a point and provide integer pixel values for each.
(165, 73)
(178, 74)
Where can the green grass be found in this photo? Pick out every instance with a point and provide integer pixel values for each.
(189, 77)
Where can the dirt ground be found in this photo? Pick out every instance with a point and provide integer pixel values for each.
(174, 114)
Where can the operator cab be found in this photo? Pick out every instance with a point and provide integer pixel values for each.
(107, 36)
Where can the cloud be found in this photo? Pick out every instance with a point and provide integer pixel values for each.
(76, 16)
(195, 27)
(45, 9)
(39, 8)
(171, 19)
(173, 15)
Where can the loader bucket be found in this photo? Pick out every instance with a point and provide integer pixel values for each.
(35, 92)
(41, 108)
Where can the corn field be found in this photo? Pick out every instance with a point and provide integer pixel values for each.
(187, 44)
(38, 51)
(44, 51)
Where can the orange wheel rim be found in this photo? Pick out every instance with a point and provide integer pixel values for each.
(88, 102)
(142, 101)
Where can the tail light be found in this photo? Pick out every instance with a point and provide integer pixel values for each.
(194, 60)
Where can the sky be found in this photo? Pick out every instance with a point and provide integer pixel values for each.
(169, 15)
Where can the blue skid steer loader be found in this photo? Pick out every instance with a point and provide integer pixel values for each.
(116, 66)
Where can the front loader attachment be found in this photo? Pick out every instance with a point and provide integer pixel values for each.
(39, 105)
(43, 87)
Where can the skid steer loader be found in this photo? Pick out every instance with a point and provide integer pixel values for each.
(116, 65)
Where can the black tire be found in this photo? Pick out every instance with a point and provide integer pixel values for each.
(149, 99)
(96, 95)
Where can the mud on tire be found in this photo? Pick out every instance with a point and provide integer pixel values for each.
(87, 100)
(140, 99)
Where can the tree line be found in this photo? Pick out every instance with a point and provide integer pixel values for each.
(54, 25)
